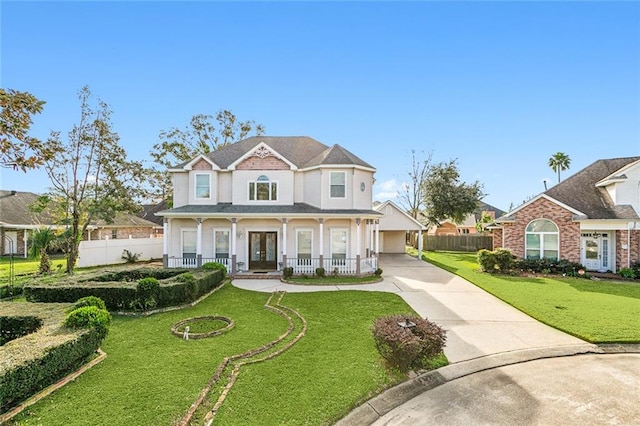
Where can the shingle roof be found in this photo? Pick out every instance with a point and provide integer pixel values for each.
(302, 151)
(229, 209)
(149, 212)
(579, 191)
(14, 209)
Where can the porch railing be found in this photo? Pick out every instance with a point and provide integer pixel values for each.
(191, 262)
(338, 266)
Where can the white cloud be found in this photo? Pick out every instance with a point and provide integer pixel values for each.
(387, 190)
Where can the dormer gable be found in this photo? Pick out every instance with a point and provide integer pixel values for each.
(201, 162)
(262, 157)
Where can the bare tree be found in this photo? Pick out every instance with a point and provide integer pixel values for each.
(412, 194)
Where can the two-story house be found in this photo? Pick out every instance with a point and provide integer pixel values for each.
(592, 217)
(265, 203)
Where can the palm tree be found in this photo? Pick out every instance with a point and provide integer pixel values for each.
(41, 241)
(559, 162)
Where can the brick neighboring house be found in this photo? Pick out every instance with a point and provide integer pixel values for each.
(17, 222)
(592, 217)
(468, 225)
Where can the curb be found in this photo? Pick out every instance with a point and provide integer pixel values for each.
(378, 406)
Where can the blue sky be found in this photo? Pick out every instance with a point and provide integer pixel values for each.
(499, 86)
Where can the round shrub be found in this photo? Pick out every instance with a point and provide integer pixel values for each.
(90, 301)
(378, 272)
(408, 347)
(148, 286)
(215, 266)
(88, 317)
(287, 272)
(320, 272)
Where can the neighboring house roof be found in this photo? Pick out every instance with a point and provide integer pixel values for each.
(580, 193)
(484, 207)
(149, 212)
(125, 220)
(15, 212)
(226, 209)
(407, 223)
(302, 151)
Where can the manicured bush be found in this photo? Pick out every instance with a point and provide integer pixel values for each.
(215, 266)
(90, 301)
(146, 294)
(10, 291)
(636, 269)
(287, 272)
(17, 326)
(20, 381)
(320, 272)
(408, 347)
(124, 296)
(378, 272)
(487, 260)
(627, 273)
(89, 317)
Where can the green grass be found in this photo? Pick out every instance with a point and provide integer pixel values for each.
(23, 268)
(330, 280)
(596, 311)
(151, 377)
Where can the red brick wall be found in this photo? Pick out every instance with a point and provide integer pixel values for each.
(514, 233)
(266, 163)
(631, 255)
(497, 238)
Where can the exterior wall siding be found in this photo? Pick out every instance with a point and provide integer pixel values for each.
(514, 233)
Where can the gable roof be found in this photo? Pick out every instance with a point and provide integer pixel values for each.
(301, 151)
(581, 194)
(149, 212)
(580, 191)
(14, 210)
(411, 223)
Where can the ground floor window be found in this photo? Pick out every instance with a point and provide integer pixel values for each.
(189, 243)
(338, 244)
(304, 242)
(222, 242)
(541, 240)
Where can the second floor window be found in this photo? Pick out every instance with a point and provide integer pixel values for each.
(203, 186)
(338, 187)
(263, 190)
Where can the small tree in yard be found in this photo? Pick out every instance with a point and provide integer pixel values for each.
(408, 342)
(42, 241)
(91, 177)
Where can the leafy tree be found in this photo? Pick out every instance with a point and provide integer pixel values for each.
(91, 178)
(559, 162)
(484, 219)
(41, 241)
(448, 198)
(17, 148)
(412, 195)
(205, 133)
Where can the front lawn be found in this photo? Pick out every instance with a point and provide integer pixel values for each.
(596, 311)
(151, 377)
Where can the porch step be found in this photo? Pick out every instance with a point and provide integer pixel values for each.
(257, 275)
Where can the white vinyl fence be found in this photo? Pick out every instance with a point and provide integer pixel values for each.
(108, 252)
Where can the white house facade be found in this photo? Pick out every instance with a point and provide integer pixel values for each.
(266, 203)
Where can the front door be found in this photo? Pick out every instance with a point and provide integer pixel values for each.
(263, 249)
(595, 251)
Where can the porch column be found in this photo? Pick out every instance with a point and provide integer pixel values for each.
(234, 227)
(165, 242)
(284, 242)
(377, 247)
(25, 237)
(199, 243)
(420, 244)
(358, 243)
(321, 242)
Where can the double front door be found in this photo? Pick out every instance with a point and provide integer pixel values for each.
(263, 250)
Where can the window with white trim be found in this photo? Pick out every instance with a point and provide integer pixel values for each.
(338, 187)
(339, 244)
(541, 240)
(189, 237)
(262, 189)
(203, 186)
(304, 241)
(221, 243)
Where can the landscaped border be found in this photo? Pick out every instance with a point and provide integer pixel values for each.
(176, 326)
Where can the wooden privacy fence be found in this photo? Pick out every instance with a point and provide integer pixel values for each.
(469, 243)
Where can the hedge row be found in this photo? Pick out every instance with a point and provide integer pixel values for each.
(124, 297)
(14, 327)
(22, 381)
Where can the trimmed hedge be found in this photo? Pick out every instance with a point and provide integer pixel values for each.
(22, 381)
(14, 327)
(125, 296)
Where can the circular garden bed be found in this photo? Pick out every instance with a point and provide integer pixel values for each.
(201, 327)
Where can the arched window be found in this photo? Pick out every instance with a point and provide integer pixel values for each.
(541, 240)
(263, 189)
